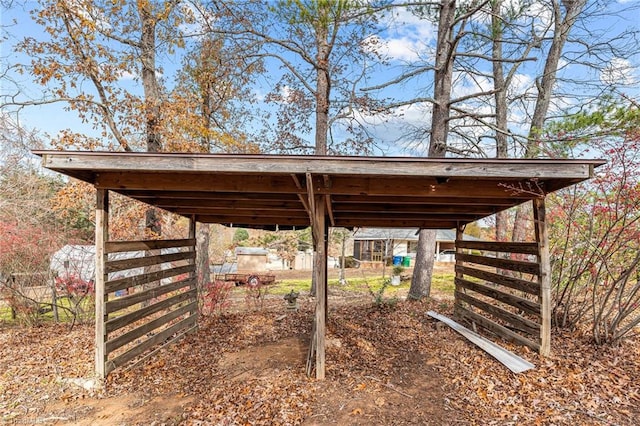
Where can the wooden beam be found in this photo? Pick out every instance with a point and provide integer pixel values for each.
(423, 187)
(195, 182)
(101, 276)
(353, 222)
(390, 207)
(254, 220)
(304, 198)
(152, 196)
(207, 204)
(400, 199)
(544, 278)
(270, 164)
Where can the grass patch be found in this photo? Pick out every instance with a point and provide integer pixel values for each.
(441, 282)
(5, 313)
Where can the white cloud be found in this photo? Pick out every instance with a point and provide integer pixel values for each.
(619, 72)
(407, 37)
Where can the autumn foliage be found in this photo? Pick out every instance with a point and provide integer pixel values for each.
(595, 246)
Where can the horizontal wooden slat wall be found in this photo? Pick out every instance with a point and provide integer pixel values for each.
(150, 297)
(497, 287)
(146, 293)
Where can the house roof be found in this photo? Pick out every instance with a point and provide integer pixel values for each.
(251, 251)
(408, 234)
(267, 190)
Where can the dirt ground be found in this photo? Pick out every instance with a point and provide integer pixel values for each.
(386, 364)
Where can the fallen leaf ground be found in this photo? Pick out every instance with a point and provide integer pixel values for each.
(386, 365)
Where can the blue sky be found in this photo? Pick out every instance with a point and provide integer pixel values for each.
(406, 40)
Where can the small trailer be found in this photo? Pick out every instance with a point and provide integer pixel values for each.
(253, 280)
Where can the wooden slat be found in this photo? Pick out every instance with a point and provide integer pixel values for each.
(121, 321)
(137, 262)
(506, 247)
(495, 328)
(182, 333)
(123, 283)
(132, 335)
(525, 305)
(149, 343)
(517, 321)
(120, 246)
(512, 265)
(511, 282)
(130, 300)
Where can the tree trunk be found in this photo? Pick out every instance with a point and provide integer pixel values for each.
(202, 255)
(545, 84)
(443, 77)
(423, 268)
(500, 98)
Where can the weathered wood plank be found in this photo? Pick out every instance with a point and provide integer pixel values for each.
(158, 348)
(425, 187)
(206, 203)
(120, 246)
(123, 339)
(320, 271)
(195, 182)
(394, 208)
(496, 328)
(130, 300)
(527, 306)
(544, 278)
(269, 164)
(149, 343)
(505, 247)
(137, 262)
(512, 361)
(193, 275)
(137, 280)
(249, 212)
(102, 235)
(512, 265)
(121, 321)
(517, 321)
(511, 282)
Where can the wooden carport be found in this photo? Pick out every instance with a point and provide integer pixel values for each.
(282, 192)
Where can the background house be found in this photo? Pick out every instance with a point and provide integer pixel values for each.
(377, 244)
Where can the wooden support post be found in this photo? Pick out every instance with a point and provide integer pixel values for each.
(544, 279)
(320, 273)
(102, 236)
(194, 275)
(458, 262)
